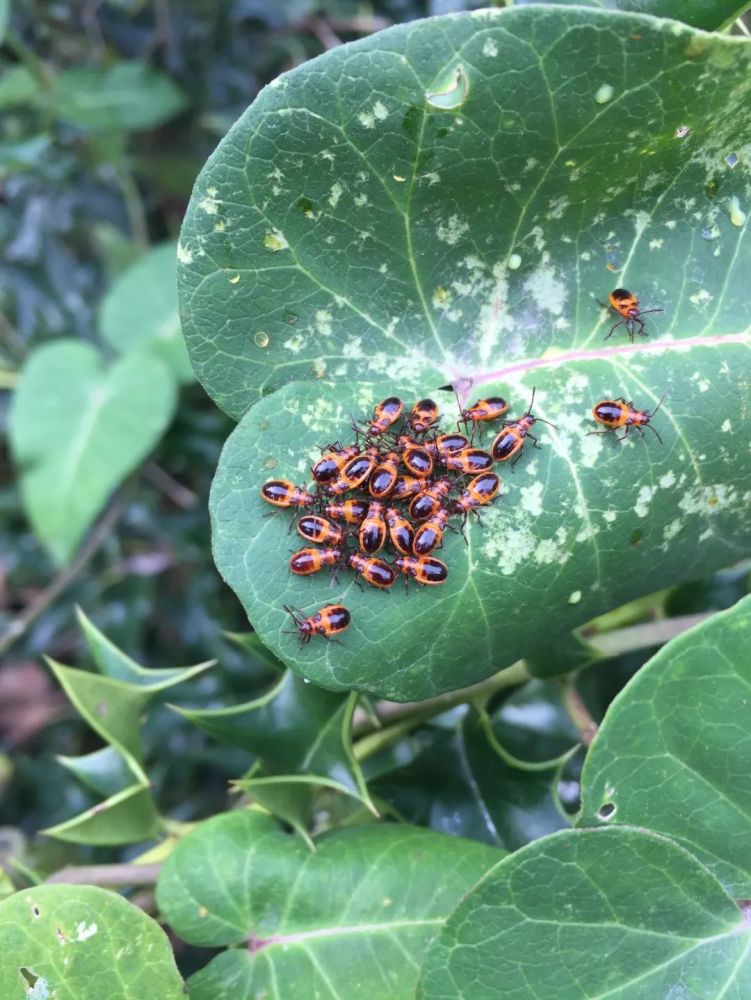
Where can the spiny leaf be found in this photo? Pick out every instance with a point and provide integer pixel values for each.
(76, 941)
(360, 909)
(113, 663)
(666, 925)
(127, 817)
(671, 753)
(295, 728)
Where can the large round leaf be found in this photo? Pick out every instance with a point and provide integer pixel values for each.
(656, 921)
(672, 754)
(78, 942)
(451, 196)
(446, 202)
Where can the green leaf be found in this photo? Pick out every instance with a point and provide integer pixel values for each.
(359, 910)
(112, 708)
(71, 942)
(711, 15)
(559, 542)
(113, 705)
(113, 663)
(295, 728)
(129, 95)
(77, 429)
(104, 771)
(17, 85)
(347, 227)
(671, 754)
(25, 155)
(461, 784)
(139, 313)
(127, 817)
(662, 925)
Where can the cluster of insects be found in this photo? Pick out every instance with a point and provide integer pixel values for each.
(398, 487)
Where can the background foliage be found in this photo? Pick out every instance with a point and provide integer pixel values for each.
(92, 195)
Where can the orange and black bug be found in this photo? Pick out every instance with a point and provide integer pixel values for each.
(401, 532)
(407, 486)
(445, 444)
(480, 492)
(424, 414)
(426, 503)
(615, 413)
(328, 466)
(415, 457)
(307, 561)
(423, 569)
(355, 472)
(384, 476)
(385, 415)
(626, 306)
(328, 622)
(349, 511)
(372, 533)
(430, 533)
(469, 461)
(492, 408)
(314, 528)
(374, 571)
(282, 493)
(510, 441)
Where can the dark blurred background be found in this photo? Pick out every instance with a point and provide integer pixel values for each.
(86, 188)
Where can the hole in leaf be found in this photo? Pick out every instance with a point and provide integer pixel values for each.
(261, 339)
(744, 905)
(682, 131)
(307, 207)
(731, 159)
(28, 975)
(450, 94)
(36, 911)
(606, 810)
(712, 187)
(102, 708)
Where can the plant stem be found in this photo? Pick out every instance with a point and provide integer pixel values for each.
(60, 583)
(117, 874)
(579, 713)
(627, 640)
(400, 717)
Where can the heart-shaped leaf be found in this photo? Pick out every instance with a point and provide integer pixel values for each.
(672, 752)
(445, 203)
(665, 924)
(140, 311)
(128, 95)
(77, 429)
(71, 942)
(360, 909)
